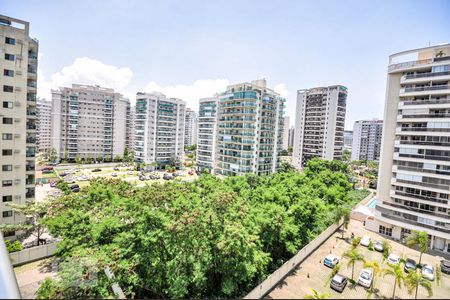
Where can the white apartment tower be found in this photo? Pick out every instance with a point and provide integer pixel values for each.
(190, 133)
(89, 122)
(291, 137)
(250, 129)
(44, 124)
(367, 140)
(18, 63)
(286, 133)
(130, 131)
(414, 174)
(159, 129)
(319, 128)
(207, 134)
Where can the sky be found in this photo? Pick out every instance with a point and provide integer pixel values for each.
(193, 49)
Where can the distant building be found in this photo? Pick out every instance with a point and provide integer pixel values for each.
(207, 134)
(348, 139)
(250, 129)
(44, 125)
(291, 137)
(319, 128)
(159, 129)
(367, 140)
(130, 131)
(286, 133)
(89, 122)
(190, 133)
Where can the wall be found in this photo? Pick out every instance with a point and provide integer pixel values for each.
(32, 254)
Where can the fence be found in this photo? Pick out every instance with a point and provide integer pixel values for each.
(276, 277)
(32, 254)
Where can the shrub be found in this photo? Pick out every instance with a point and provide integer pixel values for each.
(13, 246)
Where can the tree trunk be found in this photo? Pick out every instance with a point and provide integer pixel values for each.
(417, 288)
(353, 269)
(395, 285)
(420, 258)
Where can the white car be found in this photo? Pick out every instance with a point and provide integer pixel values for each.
(365, 278)
(365, 241)
(428, 272)
(331, 260)
(393, 259)
(378, 246)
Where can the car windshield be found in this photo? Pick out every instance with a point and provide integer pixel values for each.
(428, 270)
(365, 275)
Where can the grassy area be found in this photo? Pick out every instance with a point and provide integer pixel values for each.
(33, 265)
(49, 175)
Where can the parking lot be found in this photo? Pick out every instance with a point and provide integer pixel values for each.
(312, 274)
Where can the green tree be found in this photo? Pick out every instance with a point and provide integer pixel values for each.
(395, 271)
(13, 246)
(53, 155)
(99, 157)
(125, 154)
(117, 158)
(78, 159)
(66, 156)
(346, 155)
(353, 256)
(413, 280)
(89, 158)
(342, 214)
(418, 239)
(107, 158)
(316, 295)
(386, 248)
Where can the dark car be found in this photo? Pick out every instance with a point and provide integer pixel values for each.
(63, 174)
(116, 169)
(75, 190)
(410, 265)
(168, 176)
(338, 283)
(445, 266)
(74, 186)
(97, 170)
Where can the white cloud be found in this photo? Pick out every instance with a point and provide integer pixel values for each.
(282, 90)
(190, 93)
(85, 70)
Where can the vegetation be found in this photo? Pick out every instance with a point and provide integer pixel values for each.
(343, 213)
(208, 238)
(13, 246)
(376, 268)
(316, 295)
(395, 271)
(418, 239)
(387, 247)
(353, 256)
(190, 147)
(413, 280)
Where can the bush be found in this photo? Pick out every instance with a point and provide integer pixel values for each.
(13, 246)
(356, 241)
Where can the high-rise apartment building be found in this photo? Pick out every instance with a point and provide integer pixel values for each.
(286, 133)
(291, 137)
(319, 128)
(207, 134)
(348, 140)
(159, 129)
(89, 122)
(130, 130)
(44, 124)
(190, 128)
(367, 140)
(250, 129)
(414, 173)
(18, 62)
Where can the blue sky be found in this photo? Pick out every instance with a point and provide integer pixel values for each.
(191, 49)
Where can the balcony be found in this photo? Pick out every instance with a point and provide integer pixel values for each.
(425, 90)
(31, 140)
(425, 102)
(31, 126)
(409, 64)
(29, 168)
(425, 75)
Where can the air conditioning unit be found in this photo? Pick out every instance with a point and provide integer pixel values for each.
(17, 197)
(17, 135)
(18, 72)
(16, 151)
(17, 120)
(20, 42)
(16, 166)
(17, 181)
(18, 89)
(17, 103)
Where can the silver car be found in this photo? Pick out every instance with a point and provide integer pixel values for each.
(428, 272)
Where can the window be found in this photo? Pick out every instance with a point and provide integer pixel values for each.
(6, 152)
(7, 136)
(7, 168)
(8, 88)
(7, 120)
(7, 104)
(10, 41)
(385, 231)
(7, 72)
(7, 183)
(9, 56)
(7, 213)
(7, 198)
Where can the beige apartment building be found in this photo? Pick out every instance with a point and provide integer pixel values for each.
(89, 122)
(190, 126)
(44, 125)
(320, 121)
(414, 174)
(18, 64)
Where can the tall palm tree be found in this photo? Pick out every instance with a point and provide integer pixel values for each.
(342, 212)
(414, 280)
(420, 239)
(395, 271)
(386, 248)
(353, 256)
(376, 268)
(316, 295)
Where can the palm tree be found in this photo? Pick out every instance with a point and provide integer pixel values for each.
(353, 256)
(414, 280)
(386, 248)
(418, 238)
(395, 271)
(376, 268)
(342, 213)
(315, 295)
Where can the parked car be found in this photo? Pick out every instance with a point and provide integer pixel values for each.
(97, 170)
(331, 260)
(47, 171)
(176, 174)
(365, 241)
(75, 186)
(114, 174)
(393, 259)
(63, 174)
(365, 278)
(116, 169)
(168, 176)
(130, 173)
(428, 272)
(75, 190)
(378, 246)
(445, 266)
(53, 183)
(142, 178)
(338, 283)
(410, 265)
(191, 172)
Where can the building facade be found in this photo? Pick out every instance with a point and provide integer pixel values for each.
(159, 130)
(130, 130)
(286, 133)
(44, 125)
(89, 122)
(250, 129)
(207, 134)
(18, 87)
(367, 140)
(348, 140)
(414, 173)
(320, 120)
(190, 128)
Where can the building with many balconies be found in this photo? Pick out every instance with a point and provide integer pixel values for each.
(44, 125)
(414, 173)
(207, 134)
(319, 127)
(18, 87)
(367, 140)
(159, 130)
(89, 122)
(250, 129)
(190, 128)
